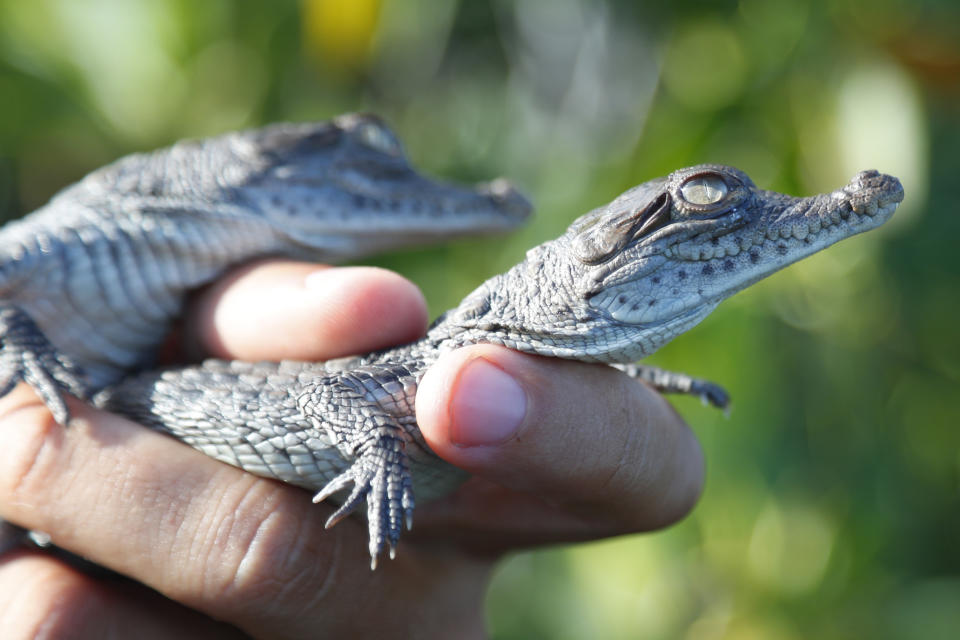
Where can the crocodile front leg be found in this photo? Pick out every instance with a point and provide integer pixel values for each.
(26, 355)
(666, 381)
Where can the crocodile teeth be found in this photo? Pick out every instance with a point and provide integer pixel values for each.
(689, 251)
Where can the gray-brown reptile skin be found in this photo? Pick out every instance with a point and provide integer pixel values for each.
(90, 282)
(622, 281)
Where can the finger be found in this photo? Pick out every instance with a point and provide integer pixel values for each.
(274, 310)
(42, 597)
(607, 449)
(152, 509)
(249, 551)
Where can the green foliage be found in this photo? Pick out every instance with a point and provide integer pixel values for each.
(831, 508)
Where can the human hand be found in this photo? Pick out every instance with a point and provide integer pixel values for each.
(594, 454)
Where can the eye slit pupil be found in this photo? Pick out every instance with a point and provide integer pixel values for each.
(704, 190)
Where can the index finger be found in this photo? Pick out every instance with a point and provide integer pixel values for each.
(285, 310)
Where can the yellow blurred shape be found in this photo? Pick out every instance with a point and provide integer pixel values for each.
(754, 625)
(340, 33)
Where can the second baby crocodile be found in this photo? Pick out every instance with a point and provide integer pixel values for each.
(90, 283)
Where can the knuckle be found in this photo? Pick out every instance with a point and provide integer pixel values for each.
(265, 548)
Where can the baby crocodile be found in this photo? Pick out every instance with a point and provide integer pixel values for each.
(89, 283)
(623, 280)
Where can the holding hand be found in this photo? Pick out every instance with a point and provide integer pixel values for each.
(560, 451)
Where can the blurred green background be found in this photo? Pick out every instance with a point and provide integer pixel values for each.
(831, 508)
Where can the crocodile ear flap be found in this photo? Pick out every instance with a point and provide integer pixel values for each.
(600, 236)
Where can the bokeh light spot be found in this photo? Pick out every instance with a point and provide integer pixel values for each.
(790, 547)
(880, 125)
(340, 33)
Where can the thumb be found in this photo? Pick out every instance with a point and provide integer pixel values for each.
(580, 435)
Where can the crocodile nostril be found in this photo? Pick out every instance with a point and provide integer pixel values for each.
(876, 185)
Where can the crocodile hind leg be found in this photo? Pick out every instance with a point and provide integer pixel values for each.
(351, 432)
(380, 475)
(26, 355)
(672, 382)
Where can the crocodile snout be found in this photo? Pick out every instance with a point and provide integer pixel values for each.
(870, 191)
(507, 198)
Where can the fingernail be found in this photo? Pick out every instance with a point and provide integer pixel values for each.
(488, 405)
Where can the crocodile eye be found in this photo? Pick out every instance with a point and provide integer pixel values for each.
(704, 190)
(378, 138)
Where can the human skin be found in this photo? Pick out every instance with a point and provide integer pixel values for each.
(559, 451)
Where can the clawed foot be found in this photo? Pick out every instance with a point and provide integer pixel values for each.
(379, 475)
(672, 382)
(27, 355)
(710, 393)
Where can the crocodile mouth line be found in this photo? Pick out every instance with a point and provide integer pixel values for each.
(747, 255)
(808, 229)
(803, 229)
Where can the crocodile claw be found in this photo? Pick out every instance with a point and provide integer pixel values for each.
(380, 475)
(26, 355)
(710, 393)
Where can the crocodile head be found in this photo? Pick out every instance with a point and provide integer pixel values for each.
(342, 187)
(662, 256)
(348, 181)
(630, 276)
